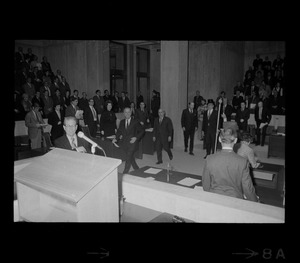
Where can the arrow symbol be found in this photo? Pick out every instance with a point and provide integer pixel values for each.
(251, 253)
(104, 253)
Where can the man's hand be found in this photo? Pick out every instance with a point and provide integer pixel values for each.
(220, 100)
(141, 123)
(81, 149)
(102, 132)
(154, 139)
(132, 140)
(59, 123)
(114, 140)
(169, 138)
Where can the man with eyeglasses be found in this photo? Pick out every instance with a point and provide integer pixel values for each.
(70, 141)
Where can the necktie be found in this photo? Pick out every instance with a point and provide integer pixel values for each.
(94, 113)
(259, 116)
(73, 143)
(209, 112)
(160, 120)
(126, 124)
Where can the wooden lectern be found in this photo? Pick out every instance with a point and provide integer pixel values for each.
(67, 186)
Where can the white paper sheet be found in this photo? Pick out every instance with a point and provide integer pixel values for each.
(189, 181)
(150, 178)
(152, 171)
(263, 175)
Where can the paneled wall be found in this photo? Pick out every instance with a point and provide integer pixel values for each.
(85, 64)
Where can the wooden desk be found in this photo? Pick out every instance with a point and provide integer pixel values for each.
(167, 218)
(174, 177)
(276, 146)
(268, 175)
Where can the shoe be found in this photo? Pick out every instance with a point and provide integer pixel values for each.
(185, 150)
(171, 157)
(192, 154)
(159, 162)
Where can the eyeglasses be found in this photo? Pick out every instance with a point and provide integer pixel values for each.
(70, 126)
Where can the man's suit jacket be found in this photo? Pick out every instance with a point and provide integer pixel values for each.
(88, 118)
(189, 120)
(227, 173)
(63, 143)
(163, 130)
(210, 124)
(142, 116)
(31, 122)
(134, 130)
(57, 130)
(245, 114)
(98, 104)
(124, 103)
(265, 115)
(70, 111)
(30, 90)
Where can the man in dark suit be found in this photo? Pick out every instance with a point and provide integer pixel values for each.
(162, 135)
(225, 112)
(128, 136)
(189, 124)
(56, 119)
(124, 101)
(98, 103)
(90, 118)
(197, 99)
(242, 117)
(70, 141)
(262, 117)
(209, 127)
(226, 172)
(72, 108)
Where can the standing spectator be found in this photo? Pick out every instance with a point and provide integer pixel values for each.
(108, 120)
(37, 78)
(98, 103)
(56, 119)
(251, 71)
(73, 108)
(75, 94)
(46, 65)
(124, 102)
(155, 104)
(106, 95)
(247, 84)
(278, 88)
(253, 101)
(20, 80)
(267, 63)
(48, 77)
(189, 124)
(58, 99)
(48, 103)
(142, 115)
(276, 103)
(209, 127)
(262, 117)
(35, 63)
(29, 88)
(67, 99)
(258, 78)
(277, 62)
(115, 102)
(139, 98)
(64, 86)
(225, 112)
(269, 80)
(238, 87)
(236, 101)
(59, 75)
(26, 105)
(162, 135)
(55, 84)
(128, 136)
(34, 122)
(47, 86)
(226, 172)
(197, 99)
(90, 118)
(257, 61)
(37, 98)
(29, 55)
(200, 110)
(133, 109)
(242, 117)
(83, 102)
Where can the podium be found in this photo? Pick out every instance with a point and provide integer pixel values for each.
(67, 186)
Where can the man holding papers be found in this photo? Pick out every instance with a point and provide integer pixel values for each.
(262, 117)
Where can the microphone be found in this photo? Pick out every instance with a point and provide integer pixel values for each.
(81, 135)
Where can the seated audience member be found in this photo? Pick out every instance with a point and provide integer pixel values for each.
(278, 88)
(48, 77)
(258, 78)
(142, 115)
(55, 85)
(29, 88)
(251, 71)
(48, 104)
(242, 116)
(236, 101)
(67, 99)
(278, 61)
(253, 101)
(162, 135)
(257, 61)
(226, 111)
(59, 75)
(266, 63)
(90, 118)
(46, 65)
(37, 98)
(76, 94)
(35, 122)
(227, 173)
(115, 101)
(25, 105)
(128, 136)
(36, 63)
(108, 126)
(262, 117)
(247, 83)
(252, 88)
(47, 86)
(70, 140)
(83, 102)
(239, 87)
(56, 119)
(30, 56)
(246, 151)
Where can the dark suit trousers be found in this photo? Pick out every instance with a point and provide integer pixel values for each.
(160, 146)
(93, 129)
(262, 132)
(129, 150)
(189, 134)
(210, 138)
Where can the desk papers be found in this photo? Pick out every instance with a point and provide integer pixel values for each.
(152, 171)
(189, 181)
(263, 175)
